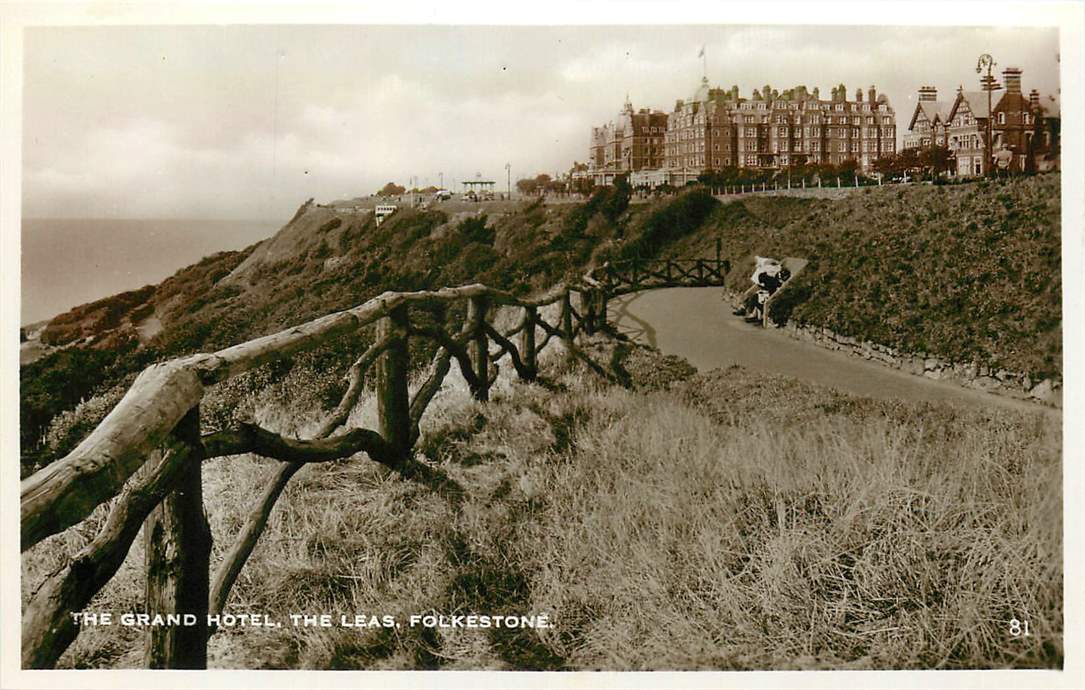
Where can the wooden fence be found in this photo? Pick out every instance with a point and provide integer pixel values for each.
(149, 449)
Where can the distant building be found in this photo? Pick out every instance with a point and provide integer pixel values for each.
(382, 211)
(929, 121)
(1046, 142)
(716, 128)
(631, 142)
(1026, 127)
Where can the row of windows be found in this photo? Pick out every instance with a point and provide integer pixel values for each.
(842, 132)
(841, 147)
(813, 105)
(753, 160)
(840, 120)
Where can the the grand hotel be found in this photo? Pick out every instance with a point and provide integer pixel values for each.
(717, 128)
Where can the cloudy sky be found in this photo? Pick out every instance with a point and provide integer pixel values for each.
(246, 122)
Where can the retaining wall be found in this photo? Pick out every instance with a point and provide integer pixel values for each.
(968, 375)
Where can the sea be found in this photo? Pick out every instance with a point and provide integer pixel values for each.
(68, 262)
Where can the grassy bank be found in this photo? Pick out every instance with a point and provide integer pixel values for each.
(718, 520)
(965, 273)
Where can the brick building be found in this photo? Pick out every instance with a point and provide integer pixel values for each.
(1024, 129)
(631, 142)
(929, 122)
(716, 128)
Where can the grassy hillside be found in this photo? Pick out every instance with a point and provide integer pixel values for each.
(968, 272)
(721, 520)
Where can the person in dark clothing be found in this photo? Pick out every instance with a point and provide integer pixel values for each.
(767, 278)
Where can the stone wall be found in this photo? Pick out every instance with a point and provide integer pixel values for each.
(968, 375)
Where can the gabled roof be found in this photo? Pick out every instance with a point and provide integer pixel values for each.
(936, 111)
(977, 103)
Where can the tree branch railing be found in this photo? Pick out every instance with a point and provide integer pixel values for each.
(147, 452)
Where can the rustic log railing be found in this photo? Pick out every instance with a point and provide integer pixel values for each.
(631, 275)
(148, 451)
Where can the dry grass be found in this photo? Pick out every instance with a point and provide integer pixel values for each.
(728, 520)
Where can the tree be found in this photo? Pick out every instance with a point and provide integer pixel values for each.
(527, 187)
(556, 186)
(392, 189)
(937, 160)
(583, 185)
(618, 200)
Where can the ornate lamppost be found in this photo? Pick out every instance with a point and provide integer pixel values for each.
(987, 62)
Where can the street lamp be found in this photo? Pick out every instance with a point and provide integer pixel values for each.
(987, 62)
(508, 180)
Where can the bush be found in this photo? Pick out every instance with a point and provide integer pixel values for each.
(670, 222)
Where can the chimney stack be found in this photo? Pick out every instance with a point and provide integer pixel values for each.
(928, 93)
(1034, 99)
(871, 93)
(1011, 77)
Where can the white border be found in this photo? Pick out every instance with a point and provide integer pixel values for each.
(1068, 16)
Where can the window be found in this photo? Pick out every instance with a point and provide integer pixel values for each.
(1002, 118)
(839, 107)
(781, 131)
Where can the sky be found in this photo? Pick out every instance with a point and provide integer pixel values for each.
(246, 122)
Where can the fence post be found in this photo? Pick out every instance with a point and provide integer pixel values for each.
(587, 310)
(567, 317)
(601, 308)
(178, 560)
(527, 342)
(393, 402)
(478, 347)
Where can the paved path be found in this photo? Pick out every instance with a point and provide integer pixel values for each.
(697, 324)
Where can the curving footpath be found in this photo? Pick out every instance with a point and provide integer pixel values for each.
(697, 324)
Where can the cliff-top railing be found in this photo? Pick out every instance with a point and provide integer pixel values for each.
(149, 448)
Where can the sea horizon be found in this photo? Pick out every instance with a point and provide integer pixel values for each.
(69, 261)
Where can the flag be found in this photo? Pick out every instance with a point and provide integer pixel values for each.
(701, 54)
